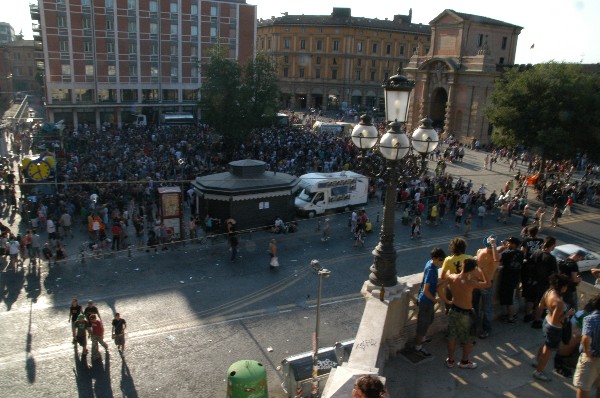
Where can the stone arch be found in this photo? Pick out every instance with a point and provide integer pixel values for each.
(437, 113)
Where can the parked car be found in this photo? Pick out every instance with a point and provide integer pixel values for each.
(591, 259)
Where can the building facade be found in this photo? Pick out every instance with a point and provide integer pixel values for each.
(338, 61)
(105, 61)
(7, 33)
(455, 78)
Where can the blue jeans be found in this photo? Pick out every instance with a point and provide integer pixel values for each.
(483, 301)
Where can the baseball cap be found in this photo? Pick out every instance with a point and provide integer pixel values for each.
(486, 240)
(80, 316)
(513, 240)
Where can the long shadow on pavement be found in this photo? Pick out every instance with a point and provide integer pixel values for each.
(127, 384)
(11, 284)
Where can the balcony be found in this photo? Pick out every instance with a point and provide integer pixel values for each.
(34, 10)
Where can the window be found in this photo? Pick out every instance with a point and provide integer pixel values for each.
(359, 46)
(374, 48)
(131, 27)
(194, 10)
(334, 74)
(85, 3)
(336, 45)
(110, 47)
(132, 48)
(153, 27)
(87, 46)
(194, 30)
(66, 69)
(318, 61)
(85, 23)
(131, 4)
(388, 49)
(286, 72)
(108, 3)
(173, 50)
(334, 62)
(153, 71)
(359, 62)
(174, 71)
(154, 49)
(214, 11)
(60, 21)
(89, 70)
(109, 24)
(153, 6)
(504, 41)
(213, 31)
(174, 29)
(358, 74)
(173, 7)
(317, 73)
(286, 43)
(401, 50)
(194, 71)
(373, 63)
(319, 44)
(501, 60)
(414, 50)
(302, 44)
(286, 59)
(64, 45)
(372, 75)
(269, 43)
(479, 39)
(301, 73)
(112, 70)
(133, 70)
(194, 51)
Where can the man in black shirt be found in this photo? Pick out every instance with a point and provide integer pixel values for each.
(91, 309)
(530, 244)
(543, 265)
(569, 267)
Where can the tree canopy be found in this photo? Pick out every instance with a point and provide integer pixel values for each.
(551, 107)
(236, 99)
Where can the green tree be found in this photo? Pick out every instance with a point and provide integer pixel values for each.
(552, 107)
(236, 99)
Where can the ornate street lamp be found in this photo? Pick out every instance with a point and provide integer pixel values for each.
(393, 157)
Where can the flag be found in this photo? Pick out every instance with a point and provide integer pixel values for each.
(533, 45)
(532, 180)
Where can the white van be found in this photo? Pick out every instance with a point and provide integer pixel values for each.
(321, 192)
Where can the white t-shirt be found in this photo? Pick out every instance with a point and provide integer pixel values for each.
(50, 227)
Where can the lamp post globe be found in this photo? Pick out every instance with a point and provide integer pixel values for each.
(425, 139)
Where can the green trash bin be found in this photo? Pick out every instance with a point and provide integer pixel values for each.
(247, 379)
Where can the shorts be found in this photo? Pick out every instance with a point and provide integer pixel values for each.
(587, 373)
(120, 339)
(459, 325)
(425, 318)
(82, 341)
(552, 335)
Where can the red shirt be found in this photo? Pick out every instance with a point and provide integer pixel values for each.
(97, 328)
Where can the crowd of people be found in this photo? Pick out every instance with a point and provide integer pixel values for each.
(513, 268)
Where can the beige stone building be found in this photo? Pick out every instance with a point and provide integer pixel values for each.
(338, 61)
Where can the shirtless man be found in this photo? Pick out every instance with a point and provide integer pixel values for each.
(461, 309)
(483, 299)
(553, 302)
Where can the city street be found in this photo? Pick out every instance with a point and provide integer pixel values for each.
(191, 312)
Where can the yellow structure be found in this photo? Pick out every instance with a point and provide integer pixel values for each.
(338, 61)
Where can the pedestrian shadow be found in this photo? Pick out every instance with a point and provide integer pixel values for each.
(100, 372)
(11, 284)
(34, 285)
(127, 384)
(30, 365)
(83, 376)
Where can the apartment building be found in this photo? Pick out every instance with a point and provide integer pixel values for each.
(338, 61)
(107, 60)
(7, 33)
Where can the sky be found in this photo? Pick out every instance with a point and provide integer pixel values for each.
(559, 30)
